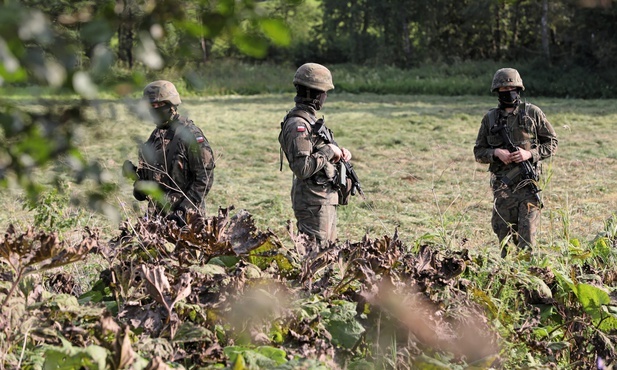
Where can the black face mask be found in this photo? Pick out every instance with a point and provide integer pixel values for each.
(509, 99)
(162, 115)
(320, 100)
(310, 97)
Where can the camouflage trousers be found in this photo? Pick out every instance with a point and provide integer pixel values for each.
(516, 214)
(317, 222)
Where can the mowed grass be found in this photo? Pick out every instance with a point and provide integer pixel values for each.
(413, 154)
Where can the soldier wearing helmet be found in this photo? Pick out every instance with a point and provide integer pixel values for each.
(513, 139)
(314, 194)
(176, 158)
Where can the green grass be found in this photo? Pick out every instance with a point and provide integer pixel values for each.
(413, 155)
(223, 77)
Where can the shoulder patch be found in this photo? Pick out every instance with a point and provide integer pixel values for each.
(301, 129)
(200, 139)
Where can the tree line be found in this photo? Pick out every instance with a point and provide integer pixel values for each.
(401, 33)
(406, 33)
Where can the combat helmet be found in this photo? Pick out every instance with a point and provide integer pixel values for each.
(314, 76)
(162, 91)
(506, 77)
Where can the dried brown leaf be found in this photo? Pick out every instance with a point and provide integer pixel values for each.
(157, 363)
(242, 235)
(124, 355)
(183, 288)
(156, 284)
(108, 325)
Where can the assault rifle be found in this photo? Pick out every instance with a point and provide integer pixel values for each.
(524, 169)
(346, 169)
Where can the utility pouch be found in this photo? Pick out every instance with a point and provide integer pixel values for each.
(344, 185)
(512, 177)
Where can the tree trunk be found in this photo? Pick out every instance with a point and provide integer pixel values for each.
(406, 43)
(497, 30)
(203, 43)
(545, 33)
(125, 35)
(515, 25)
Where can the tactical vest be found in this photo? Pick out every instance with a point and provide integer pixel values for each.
(524, 135)
(327, 175)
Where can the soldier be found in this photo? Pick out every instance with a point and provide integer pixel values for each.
(314, 195)
(513, 139)
(177, 158)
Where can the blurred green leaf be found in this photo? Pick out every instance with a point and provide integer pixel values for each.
(265, 357)
(251, 45)
(69, 357)
(276, 30)
(340, 321)
(213, 24)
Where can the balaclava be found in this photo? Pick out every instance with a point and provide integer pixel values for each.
(163, 115)
(509, 99)
(311, 97)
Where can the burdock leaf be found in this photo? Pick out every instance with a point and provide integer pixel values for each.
(183, 288)
(29, 252)
(189, 332)
(240, 232)
(592, 298)
(156, 284)
(14, 246)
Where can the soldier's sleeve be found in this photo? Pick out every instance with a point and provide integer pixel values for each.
(482, 151)
(201, 164)
(304, 159)
(547, 138)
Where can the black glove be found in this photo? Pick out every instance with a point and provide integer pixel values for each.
(129, 170)
(137, 193)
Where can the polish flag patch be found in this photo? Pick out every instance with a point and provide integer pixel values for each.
(200, 139)
(301, 129)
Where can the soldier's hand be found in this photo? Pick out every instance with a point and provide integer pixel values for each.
(346, 154)
(129, 170)
(521, 155)
(503, 155)
(337, 153)
(138, 192)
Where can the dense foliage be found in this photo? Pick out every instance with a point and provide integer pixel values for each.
(406, 33)
(220, 292)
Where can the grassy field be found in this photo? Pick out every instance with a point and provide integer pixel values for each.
(413, 155)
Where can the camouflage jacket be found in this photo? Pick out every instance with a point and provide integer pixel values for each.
(181, 161)
(309, 159)
(527, 128)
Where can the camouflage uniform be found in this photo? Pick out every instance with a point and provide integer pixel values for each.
(516, 208)
(178, 158)
(313, 195)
